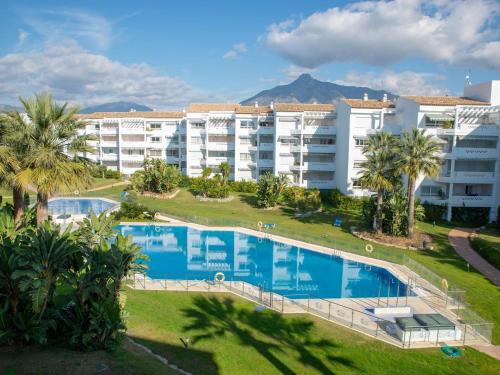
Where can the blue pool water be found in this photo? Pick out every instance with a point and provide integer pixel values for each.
(79, 206)
(183, 253)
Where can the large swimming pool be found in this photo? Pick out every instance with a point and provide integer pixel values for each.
(185, 253)
(79, 206)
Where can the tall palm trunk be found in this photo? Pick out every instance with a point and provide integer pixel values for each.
(411, 205)
(18, 194)
(378, 222)
(42, 208)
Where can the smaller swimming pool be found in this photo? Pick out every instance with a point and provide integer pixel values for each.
(80, 206)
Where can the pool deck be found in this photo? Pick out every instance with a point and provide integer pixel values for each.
(355, 313)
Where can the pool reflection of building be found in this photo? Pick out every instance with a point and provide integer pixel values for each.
(187, 253)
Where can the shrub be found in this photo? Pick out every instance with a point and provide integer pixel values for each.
(309, 201)
(102, 171)
(345, 202)
(434, 212)
(244, 186)
(137, 181)
(185, 181)
(160, 177)
(395, 212)
(87, 314)
(471, 215)
(130, 208)
(215, 187)
(271, 189)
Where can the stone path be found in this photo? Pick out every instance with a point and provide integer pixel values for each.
(459, 238)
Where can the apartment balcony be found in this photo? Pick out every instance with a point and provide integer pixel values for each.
(132, 157)
(109, 157)
(473, 175)
(315, 148)
(266, 163)
(472, 201)
(266, 130)
(295, 131)
(109, 130)
(318, 184)
(266, 146)
(320, 130)
(217, 146)
(319, 166)
(132, 144)
(221, 130)
(467, 153)
(109, 143)
(138, 130)
(213, 160)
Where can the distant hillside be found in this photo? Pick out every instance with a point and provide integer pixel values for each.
(7, 107)
(116, 107)
(306, 89)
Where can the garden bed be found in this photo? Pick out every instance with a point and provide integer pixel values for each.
(169, 195)
(217, 200)
(396, 241)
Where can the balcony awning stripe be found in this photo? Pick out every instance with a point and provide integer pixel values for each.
(439, 117)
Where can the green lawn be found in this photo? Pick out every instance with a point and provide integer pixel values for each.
(227, 336)
(482, 295)
(126, 360)
(487, 244)
(98, 182)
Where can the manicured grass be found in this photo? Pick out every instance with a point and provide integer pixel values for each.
(487, 244)
(126, 359)
(98, 182)
(227, 336)
(481, 295)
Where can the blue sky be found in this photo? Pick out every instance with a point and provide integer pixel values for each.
(168, 53)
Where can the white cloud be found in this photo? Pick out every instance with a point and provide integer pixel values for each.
(74, 74)
(22, 36)
(293, 71)
(403, 83)
(56, 25)
(235, 51)
(457, 32)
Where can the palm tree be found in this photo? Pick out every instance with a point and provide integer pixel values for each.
(52, 140)
(9, 166)
(418, 155)
(378, 170)
(225, 170)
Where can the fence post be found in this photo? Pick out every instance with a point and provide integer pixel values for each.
(308, 301)
(329, 309)
(144, 281)
(465, 332)
(437, 337)
(352, 318)
(282, 303)
(376, 330)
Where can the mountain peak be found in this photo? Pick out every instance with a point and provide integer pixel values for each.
(116, 107)
(306, 89)
(304, 77)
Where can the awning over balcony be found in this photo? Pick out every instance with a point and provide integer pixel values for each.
(438, 140)
(439, 117)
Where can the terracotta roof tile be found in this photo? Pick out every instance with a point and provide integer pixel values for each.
(151, 114)
(300, 107)
(208, 107)
(368, 104)
(444, 100)
(251, 109)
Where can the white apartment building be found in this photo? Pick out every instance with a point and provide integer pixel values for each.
(317, 145)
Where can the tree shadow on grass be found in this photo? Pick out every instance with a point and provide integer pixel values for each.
(213, 318)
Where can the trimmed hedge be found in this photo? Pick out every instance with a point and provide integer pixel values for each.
(434, 212)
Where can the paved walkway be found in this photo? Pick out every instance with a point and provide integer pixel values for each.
(109, 186)
(459, 238)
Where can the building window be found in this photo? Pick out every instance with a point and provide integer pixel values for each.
(245, 157)
(221, 154)
(266, 124)
(155, 153)
(155, 139)
(266, 139)
(265, 155)
(96, 126)
(197, 125)
(430, 191)
(360, 142)
(172, 140)
(155, 126)
(356, 183)
(358, 164)
(245, 140)
(196, 140)
(173, 152)
(247, 124)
